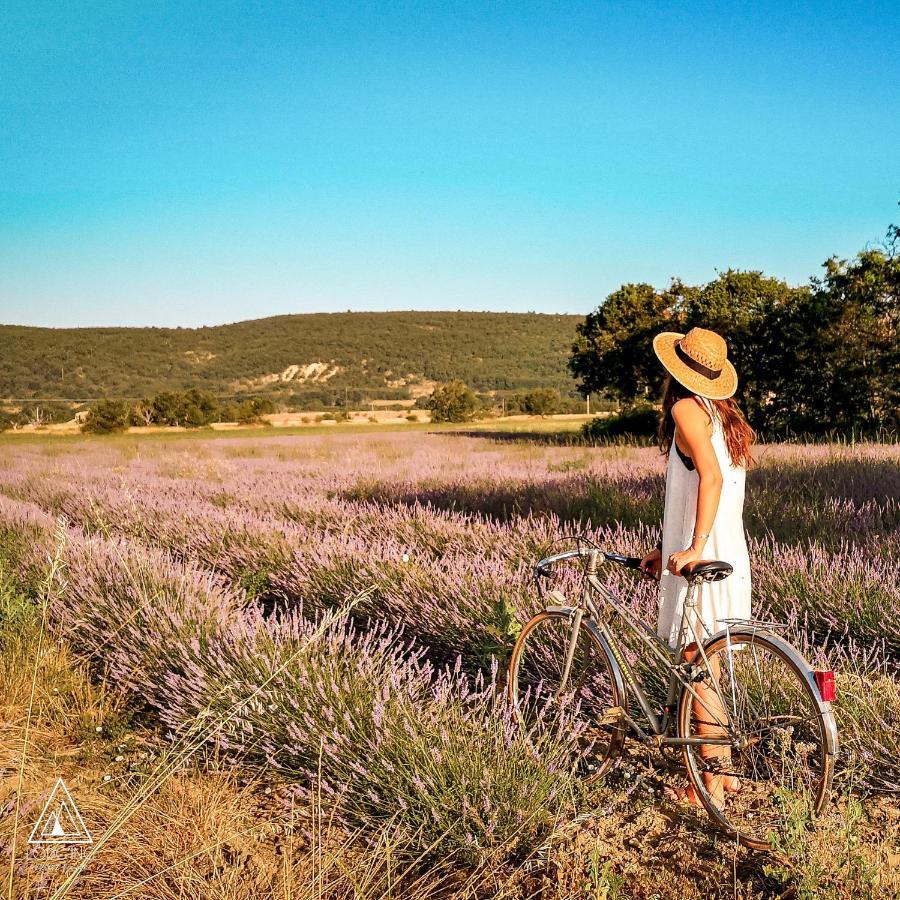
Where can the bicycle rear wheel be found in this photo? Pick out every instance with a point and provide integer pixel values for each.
(592, 700)
(758, 690)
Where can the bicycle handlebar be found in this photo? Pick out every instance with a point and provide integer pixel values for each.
(542, 569)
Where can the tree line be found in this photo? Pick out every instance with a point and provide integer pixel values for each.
(455, 401)
(452, 401)
(811, 360)
(187, 409)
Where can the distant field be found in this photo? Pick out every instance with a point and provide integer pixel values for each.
(198, 577)
(292, 424)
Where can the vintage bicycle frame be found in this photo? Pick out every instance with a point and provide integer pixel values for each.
(680, 673)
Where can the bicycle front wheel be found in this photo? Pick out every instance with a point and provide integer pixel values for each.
(588, 698)
(756, 690)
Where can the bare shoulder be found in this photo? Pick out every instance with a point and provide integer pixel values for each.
(689, 415)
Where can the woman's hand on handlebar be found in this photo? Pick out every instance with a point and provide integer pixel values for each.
(651, 564)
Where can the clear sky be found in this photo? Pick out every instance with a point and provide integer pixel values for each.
(203, 162)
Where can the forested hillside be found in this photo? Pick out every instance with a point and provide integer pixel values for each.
(318, 354)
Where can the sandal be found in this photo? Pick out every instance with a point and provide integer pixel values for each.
(683, 794)
(687, 794)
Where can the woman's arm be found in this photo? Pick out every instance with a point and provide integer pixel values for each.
(692, 421)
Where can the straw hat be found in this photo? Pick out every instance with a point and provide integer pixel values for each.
(698, 360)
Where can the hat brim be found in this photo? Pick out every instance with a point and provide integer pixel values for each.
(719, 388)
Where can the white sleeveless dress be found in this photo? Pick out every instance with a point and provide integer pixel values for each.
(717, 600)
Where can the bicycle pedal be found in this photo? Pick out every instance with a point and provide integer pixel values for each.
(558, 596)
(614, 715)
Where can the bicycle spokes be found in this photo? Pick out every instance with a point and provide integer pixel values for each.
(777, 756)
(561, 678)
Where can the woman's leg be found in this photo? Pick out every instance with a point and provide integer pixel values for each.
(711, 717)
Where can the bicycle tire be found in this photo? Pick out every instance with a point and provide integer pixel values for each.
(609, 696)
(814, 720)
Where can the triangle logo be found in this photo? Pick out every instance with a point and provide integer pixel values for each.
(60, 821)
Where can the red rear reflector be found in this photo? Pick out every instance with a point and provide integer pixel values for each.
(825, 683)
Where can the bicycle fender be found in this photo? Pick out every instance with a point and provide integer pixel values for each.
(791, 652)
(616, 669)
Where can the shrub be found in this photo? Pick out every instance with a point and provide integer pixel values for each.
(250, 412)
(106, 417)
(453, 402)
(542, 402)
(360, 721)
(634, 422)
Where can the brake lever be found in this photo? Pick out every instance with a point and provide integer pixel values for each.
(630, 562)
(540, 571)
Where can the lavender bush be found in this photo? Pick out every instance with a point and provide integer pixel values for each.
(196, 569)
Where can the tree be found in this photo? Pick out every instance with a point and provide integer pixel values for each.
(249, 412)
(142, 414)
(453, 401)
(36, 416)
(810, 359)
(844, 368)
(198, 409)
(542, 402)
(105, 417)
(192, 409)
(612, 353)
(166, 408)
(41, 414)
(742, 306)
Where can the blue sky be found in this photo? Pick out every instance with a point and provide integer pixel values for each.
(195, 163)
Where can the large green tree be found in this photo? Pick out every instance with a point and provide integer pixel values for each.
(611, 355)
(741, 306)
(105, 417)
(810, 359)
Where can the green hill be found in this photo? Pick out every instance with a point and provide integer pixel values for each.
(315, 355)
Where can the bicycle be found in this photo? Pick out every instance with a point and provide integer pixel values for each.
(744, 705)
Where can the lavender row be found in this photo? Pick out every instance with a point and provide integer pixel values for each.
(796, 494)
(185, 641)
(452, 579)
(361, 719)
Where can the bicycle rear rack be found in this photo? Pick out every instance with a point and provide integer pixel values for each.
(756, 624)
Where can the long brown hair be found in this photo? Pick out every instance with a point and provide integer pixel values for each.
(739, 436)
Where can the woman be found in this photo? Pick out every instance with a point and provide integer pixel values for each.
(703, 516)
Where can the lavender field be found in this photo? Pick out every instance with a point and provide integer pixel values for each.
(335, 610)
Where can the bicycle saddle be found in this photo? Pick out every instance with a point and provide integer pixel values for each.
(706, 570)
